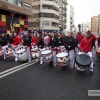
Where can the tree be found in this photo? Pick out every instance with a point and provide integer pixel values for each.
(12, 25)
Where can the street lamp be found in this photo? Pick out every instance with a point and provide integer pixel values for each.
(32, 23)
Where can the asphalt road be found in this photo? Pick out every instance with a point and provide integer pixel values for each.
(44, 82)
(9, 63)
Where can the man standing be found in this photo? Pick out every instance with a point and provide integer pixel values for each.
(86, 47)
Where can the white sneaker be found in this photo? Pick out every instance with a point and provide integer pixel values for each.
(30, 61)
(55, 66)
(16, 59)
(41, 62)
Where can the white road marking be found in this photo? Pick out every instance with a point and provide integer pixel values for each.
(15, 67)
(13, 71)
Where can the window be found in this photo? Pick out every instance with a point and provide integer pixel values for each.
(47, 23)
(26, 6)
(19, 3)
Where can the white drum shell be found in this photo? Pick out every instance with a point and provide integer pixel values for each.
(22, 55)
(1, 52)
(62, 59)
(9, 52)
(81, 68)
(35, 54)
(47, 55)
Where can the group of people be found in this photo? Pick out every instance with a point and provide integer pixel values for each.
(72, 42)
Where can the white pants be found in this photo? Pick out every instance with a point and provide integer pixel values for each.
(29, 55)
(54, 58)
(4, 50)
(91, 56)
(71, 58)
(76, 51)
(15, 48)
(40, 56)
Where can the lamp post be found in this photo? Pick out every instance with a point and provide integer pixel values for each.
(42, 14)
(32, 24)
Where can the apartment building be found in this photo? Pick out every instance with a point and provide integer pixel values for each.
(46, 15)
(14, 15)
(99, 23)
(62, 15)
(70, 17)
(94, 24)
(85, 26)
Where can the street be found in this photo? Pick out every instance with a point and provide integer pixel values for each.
(44, 82)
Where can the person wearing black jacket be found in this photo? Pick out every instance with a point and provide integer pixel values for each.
(59, 40)
(70, 46)
(4, 44)
(41, 46)
(53, 46)
(76, 45)
(27, 44)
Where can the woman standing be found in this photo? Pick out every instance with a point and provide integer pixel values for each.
(40, 46)
(70, 46)
(27, 44)
(4, 44)
(53, 46)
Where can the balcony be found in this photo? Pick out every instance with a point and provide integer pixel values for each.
(50, 11)
(50, 20)
(52, 4)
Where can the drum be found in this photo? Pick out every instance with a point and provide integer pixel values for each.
(9, 52)
(62, 59)
(34, 48)
(47, 55)
(82, 62)
(35, 54)
(22, 56)
(62, 49)
(98, 52)
(1, 52)
(21, 47)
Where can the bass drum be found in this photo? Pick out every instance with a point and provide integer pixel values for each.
(82, 62)
(62, 59)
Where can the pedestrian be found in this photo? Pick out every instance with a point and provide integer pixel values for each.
(15, 45)
(86, 47)
(76, 45)
(40, 46)
(53, 46)
(70, 46)
(4, 44)
(27, 44)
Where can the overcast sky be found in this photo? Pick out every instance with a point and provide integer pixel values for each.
(85, 9)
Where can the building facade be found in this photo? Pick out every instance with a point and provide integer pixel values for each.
(85, 27)
(14, 15)
(94, 24)
(46, 15)
(62, 15)
(99, 23)
(70, 17)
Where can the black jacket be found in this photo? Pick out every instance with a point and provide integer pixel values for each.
(59, 42)
(70, 41)
(76, 42)
(53, 42)
(27, 41)
(11, 38)
(40, 43)
(3, 40)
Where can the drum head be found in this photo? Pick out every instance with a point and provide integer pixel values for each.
(46, 52)
(63, 54)
(83, 60)
(20, 51)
